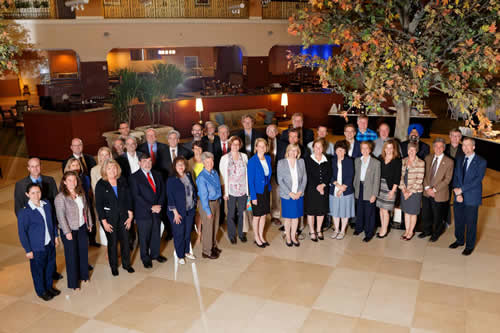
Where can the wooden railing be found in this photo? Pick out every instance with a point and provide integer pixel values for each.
(28, 9)
(281, 9)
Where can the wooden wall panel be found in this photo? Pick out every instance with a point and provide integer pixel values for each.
(281, 9)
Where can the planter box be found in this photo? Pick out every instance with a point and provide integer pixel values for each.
(113, 135)
(161, 131)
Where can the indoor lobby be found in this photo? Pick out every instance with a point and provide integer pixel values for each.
(92, 67)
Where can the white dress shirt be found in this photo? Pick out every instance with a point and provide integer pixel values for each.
(172, 152)
(265, 166)
(222, 146)
(364, 167)
(295, 176)
(339, 176)
(42, 212)
(79, 203)
(133, 161)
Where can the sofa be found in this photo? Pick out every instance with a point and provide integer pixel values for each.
(232, 119)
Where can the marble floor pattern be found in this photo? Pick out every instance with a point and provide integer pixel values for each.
(332, 286)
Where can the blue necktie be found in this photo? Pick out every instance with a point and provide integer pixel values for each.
(466, 160)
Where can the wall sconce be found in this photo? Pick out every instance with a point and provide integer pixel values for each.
(199, 108)
(284, 102)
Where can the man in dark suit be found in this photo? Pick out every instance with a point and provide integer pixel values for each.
(306, 135)
(197, 133)
(87, 162)
(415, 131)
(148, 193)
(248, 135)
(174, 150)
(455, 152)
(49, 192)
(157, 151)
(468, 189)
(292, 138)
(210, 140)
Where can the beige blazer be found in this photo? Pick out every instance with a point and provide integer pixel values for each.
(415, 175)
(442, 179)
(68, 215)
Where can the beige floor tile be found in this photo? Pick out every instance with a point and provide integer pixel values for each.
(6, 301)
(399, 249)
(360, 262)
(56, 321)
(443, 294)
(278, 317)
(8, 251)
(345, 292)
(9, 235)
(445, 266)
(94, 326)
(440, 318)
(20, 315)
(372, 326)
(482, 271)
(400, 267)
(325, 322)
(391, 300)
(482, 301)
(374, 248)
(480, 322)
(15, 276)
(7, 214)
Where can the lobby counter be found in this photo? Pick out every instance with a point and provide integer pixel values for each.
(49, 133)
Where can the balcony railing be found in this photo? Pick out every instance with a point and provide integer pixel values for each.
(28, 9)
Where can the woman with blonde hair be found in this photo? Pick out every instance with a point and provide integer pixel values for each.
(103, 154)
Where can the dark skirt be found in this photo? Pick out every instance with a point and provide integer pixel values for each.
(412, 205)
(263, 206)
(316, 204)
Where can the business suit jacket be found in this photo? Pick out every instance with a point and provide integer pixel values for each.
(356, 151)
(176, 196)
(307, 136)
(31, 228)
(442, 178)
(371, 184)
(347, 174)
(49, 192)
(257, 181)
(285, 177)
(458, 155)
(215, 148)
(167, 160)
(109, 207)
(68, 214)
(423, 149)
(472, 185)
(255, 135)
(143, 196)
(89, 161)
(160, 164)
(125, 165)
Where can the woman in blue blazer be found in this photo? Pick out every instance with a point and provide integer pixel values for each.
(38, 236)
(259, 185)
(181, 197)
(341, 189)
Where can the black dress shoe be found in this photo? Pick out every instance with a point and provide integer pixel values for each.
(356, 233)
(282, 228)
(289, 244)
(367, 239)
(54, 292)
(266, 244)
(455, 245)
(467, 252)
(233, 240)
(209, 256)
(47, 296)
(296, 244)
(148, 265)
(91, 267)
(56, 276)
(161, 259)
(434, 238)
(129, 269)
(259, 245)
(114, 271)
(243, 239)
(217, 250)
(320, 236)
(95, 244)
(423, 235)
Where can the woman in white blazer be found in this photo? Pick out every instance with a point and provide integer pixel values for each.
(292, 179)
(233, 170)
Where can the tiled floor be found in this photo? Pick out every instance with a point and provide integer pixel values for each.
(332, 286)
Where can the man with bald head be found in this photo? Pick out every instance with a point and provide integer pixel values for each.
(48, 187)
(87, 162)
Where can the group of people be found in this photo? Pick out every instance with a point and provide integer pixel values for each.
(214, 178)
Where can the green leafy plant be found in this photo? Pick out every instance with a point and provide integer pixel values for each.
(37, 4)
(124, 94)
(168, 77)
(45, 4)
(150, 93)
(399, 50)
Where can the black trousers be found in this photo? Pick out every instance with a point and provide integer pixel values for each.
(42, 268)
(465, 219)
(76, 253)
(182, 233)
(92, 233)
(433, 216)
(235, 209)
(149, 238)
(365, 215)
(119, 234)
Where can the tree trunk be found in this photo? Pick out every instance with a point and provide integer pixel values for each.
(402, 121)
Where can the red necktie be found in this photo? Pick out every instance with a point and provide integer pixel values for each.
(150, 180)
(224, 150)
(153, 157)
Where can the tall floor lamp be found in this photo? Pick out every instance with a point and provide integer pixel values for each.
(284, 102)
(199, 108)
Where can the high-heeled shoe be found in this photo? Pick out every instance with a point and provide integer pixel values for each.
(320, 235)
(259, 245)
(296, 244)
(289, 244)
(315, 239)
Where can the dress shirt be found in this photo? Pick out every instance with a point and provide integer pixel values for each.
(154, 145)
(339, 176)
(351, 148)
(379, 145)
(248, 141)
(42, 212)
(364, 167)
(36, 180)
(209, 188)
(369, 135)
(150, 174)
(469, 160)
(264, 166)
(222, 146)
(133, 161)
(295, 176)
(453, 151)
(172, 152)
(79, 203)
(438, 160)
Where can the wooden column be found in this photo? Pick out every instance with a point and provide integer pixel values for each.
(255, 9)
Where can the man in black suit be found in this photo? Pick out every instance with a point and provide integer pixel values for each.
(87, 162)
(248, 135)
(273, 141)
(49, 192)
(197, 133)
(148, 193)
(306, 135)
(415, 131)
(292, 138)
(157, 151)
(220, 146)
(174, 150)
(210, 140)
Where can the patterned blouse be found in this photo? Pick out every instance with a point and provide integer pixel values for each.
(237, 180)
